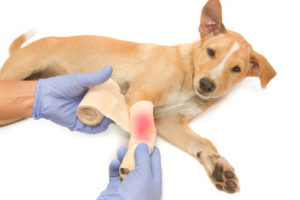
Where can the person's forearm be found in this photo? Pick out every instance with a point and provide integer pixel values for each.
(16, 99)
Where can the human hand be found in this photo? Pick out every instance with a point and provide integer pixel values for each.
(142, 183)
(57, 99)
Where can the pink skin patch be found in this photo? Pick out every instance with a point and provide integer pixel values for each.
(143, 127)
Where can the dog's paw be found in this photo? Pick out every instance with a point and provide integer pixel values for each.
(221, 173)
(223, 177)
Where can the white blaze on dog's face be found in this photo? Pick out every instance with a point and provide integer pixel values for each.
(224, 58)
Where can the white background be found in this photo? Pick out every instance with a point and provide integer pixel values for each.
(256, 130)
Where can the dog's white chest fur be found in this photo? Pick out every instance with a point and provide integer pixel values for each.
(178, 101)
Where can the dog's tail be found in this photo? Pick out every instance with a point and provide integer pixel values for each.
(17, 43)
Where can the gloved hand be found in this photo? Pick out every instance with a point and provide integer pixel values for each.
(142, 183)
(57, 99)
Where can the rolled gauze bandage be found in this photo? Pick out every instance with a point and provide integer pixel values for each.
(142, 130)
(104, 100)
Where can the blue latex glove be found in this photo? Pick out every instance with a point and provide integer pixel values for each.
(57, 99)
(142, 183)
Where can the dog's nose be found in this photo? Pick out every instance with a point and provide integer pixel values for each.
(207, 85)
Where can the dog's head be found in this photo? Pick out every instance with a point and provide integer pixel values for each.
(224, 58)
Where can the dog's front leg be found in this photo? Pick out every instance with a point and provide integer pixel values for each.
(176, 130)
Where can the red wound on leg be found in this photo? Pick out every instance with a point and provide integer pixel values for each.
(142, 127)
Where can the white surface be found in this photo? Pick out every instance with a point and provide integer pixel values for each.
(256, 130)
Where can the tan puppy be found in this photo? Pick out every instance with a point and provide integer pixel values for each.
(181, 81)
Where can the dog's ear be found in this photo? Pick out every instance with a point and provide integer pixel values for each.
(260, 67)
(211, 19)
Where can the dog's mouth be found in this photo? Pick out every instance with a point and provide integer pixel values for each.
(202, 94)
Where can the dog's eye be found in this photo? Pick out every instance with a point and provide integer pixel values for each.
(236, 69)
(211, 52)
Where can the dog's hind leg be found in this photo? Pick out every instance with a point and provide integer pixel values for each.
(26, 64)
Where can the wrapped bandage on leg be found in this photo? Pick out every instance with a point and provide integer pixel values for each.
(104, 100)
(142, 130)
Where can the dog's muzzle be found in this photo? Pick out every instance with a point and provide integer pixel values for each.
(207, 85)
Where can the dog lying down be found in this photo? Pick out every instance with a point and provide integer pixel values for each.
(181, 81)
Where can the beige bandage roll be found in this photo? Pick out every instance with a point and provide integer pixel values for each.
(142, 130)
(104, 100)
